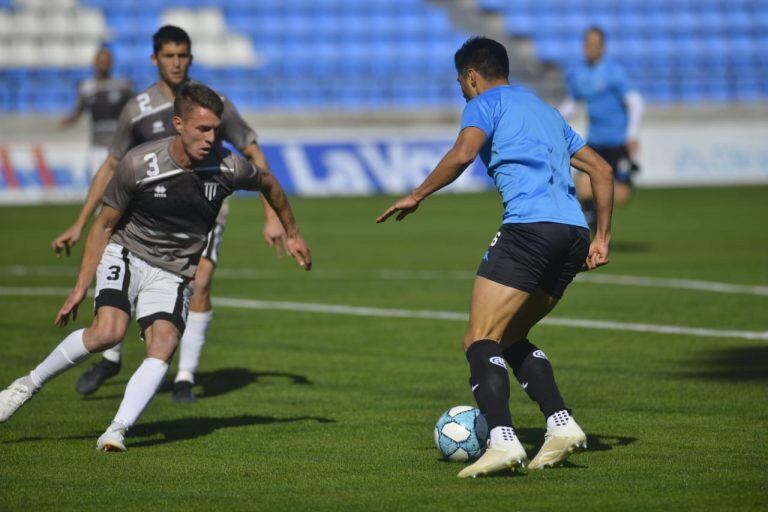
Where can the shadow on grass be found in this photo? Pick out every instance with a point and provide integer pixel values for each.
(216, 382)
(735, 364)
(529, 436)
(182, 429)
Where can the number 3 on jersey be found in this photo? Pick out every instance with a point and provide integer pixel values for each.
(153, 169)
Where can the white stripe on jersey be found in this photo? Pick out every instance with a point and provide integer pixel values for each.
(152, 111)
(159, 177)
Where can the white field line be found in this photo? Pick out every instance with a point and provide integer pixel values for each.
(430, 275)
(338, 309)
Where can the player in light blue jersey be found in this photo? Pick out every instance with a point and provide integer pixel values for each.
(543, 242)
(615, 110)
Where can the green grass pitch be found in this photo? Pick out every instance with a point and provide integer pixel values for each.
(313, 411)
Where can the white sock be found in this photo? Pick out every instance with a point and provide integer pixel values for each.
(66, 355)
(140, 390)
(502, 437)
(113, 354)
(558, 419)
(192, 344)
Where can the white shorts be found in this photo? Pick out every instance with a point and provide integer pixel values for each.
(145, 291)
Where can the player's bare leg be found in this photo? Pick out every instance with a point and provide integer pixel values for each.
(107, 329)
(534, 372)
(198, 320)
(493, 305)
(162, 338)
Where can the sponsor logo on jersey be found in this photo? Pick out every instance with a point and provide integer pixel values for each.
(158, 127)
(540, 354)
(498, 361)
(160, 191)
(210, 189)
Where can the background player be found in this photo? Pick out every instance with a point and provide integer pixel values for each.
(615, 111)
(543, 242)
(147, 240)
(103, 96)
(146, 117)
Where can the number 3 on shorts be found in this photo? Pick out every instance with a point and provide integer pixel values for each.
(115, 275)
(495, 239)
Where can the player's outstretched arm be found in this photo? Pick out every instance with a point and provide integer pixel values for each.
(66, 240)
(97, 240)
(273, 232)
(456, 160)
(601, 181)
(272, 191)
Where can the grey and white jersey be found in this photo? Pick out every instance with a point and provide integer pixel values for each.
(104, 100)
(168, 210)
(149, 116)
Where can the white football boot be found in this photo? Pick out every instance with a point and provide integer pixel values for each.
(14, 396)
(559, 444)
(511, 457)
(113, 439)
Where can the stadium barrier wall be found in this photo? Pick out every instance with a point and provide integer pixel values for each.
(343, 164)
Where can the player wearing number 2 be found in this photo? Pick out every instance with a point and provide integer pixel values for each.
(147, 242)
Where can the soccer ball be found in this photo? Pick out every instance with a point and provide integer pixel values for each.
(461, 433)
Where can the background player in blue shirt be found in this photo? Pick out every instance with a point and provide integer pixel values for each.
(615, 110)
(543, 242)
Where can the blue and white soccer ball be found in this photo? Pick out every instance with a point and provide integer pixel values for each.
(461, 433)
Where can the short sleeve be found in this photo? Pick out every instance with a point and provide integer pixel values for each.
(123, 139)
(477, 114)
(234, 129)
(572, 139)
(121, 187)
(246, 176)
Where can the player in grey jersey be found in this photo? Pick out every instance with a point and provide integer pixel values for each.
(144, 248)
(148, 116)
(103, 96)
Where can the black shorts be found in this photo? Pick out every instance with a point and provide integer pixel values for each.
(543, 255)
(618, 158)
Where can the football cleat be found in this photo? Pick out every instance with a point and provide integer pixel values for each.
(94, 377)
(182, 393)
(14, 396)
(113, 439)
(559, 444)
(495, 460)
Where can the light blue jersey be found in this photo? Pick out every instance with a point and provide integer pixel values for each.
(527, 154)
(603, 88)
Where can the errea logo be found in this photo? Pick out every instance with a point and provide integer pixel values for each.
(158, 127)
(160, 191)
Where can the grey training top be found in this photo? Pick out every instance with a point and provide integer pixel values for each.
(104, 100)
(168, 210)
(149, 116)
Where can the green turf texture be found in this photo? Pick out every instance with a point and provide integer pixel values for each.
(308, 411)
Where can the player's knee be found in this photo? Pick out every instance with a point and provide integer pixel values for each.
(104, 335)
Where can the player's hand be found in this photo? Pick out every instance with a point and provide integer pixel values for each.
(405, 206)
(275, 236)
(66, 240)
(632, 148)
(598, 254)
(297, 247)
(70, 307)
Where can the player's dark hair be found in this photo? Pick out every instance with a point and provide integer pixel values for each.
(170, 34)
(597, 30)
(197, 94)
(486, 56)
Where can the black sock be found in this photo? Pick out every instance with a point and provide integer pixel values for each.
(490, 382)
(533, 371)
